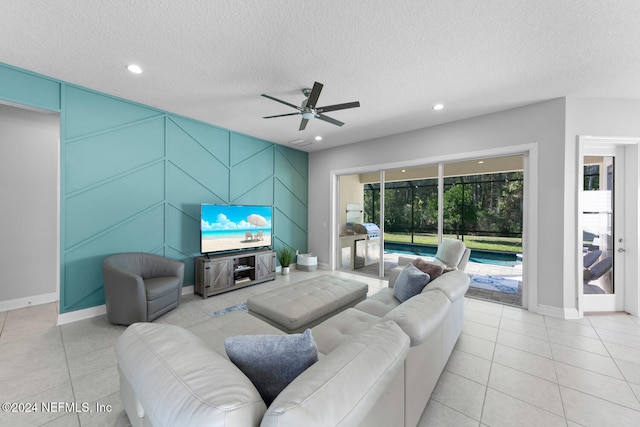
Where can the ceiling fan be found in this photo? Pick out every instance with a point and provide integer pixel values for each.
(309, 111)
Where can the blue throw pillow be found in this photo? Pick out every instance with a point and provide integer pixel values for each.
(409, 283)
(271, 362)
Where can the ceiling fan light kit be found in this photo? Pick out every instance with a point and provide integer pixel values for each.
(309, 111)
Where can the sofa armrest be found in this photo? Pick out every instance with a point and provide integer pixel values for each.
(176, 380)
(344, 386)
(124, 293)
(465, 259)
(393, 275)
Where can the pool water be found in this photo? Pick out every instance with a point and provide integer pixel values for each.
(504, 259)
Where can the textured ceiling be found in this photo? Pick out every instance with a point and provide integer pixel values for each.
(211, 59)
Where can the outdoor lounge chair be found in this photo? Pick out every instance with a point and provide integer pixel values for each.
(590, 258)
(598, 270)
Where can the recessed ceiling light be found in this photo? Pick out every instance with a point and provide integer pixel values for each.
(134, 68)
(318, 138)
(403, 170)
(438, 107)
(480, 162)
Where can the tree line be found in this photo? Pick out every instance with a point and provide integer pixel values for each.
(488, 204)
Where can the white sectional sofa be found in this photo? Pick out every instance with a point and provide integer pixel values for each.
(432, 320)
(171, 377)
(378, 364)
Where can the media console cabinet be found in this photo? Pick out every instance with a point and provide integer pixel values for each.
(215, 274)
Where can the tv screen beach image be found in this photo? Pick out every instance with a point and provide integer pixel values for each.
(227, 228)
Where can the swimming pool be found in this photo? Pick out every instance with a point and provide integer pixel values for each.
(505, 259)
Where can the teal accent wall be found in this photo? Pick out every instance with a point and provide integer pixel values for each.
(133, 177)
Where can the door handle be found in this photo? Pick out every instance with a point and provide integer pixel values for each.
(621, 250)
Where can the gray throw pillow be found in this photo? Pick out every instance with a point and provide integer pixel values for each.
(409, 283)
(271, 362)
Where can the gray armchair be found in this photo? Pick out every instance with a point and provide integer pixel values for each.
(140, 287)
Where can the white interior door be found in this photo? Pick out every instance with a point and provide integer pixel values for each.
(602, 219)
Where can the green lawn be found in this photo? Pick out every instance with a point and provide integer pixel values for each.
(488, 243)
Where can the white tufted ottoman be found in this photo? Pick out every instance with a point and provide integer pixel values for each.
(302, 305)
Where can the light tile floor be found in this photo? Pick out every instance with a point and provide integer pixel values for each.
(510, 367)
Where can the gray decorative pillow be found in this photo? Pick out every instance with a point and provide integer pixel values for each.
(271, 362)
(410, 283)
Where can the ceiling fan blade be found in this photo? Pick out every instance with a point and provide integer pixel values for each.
(303, 124)
(282, 102)
(282, 115)
(314, 95)
(329, 119)
(338, 107)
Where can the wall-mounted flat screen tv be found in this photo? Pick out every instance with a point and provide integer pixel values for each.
(225, 228)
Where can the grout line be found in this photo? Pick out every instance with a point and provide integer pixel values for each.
(615, 362)
(555, 373)
(66, 359)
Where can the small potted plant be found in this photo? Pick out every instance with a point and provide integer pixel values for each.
(285, 257)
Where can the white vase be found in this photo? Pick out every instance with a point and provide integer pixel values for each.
(285, 270)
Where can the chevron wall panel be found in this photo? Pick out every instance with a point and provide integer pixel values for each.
(243, 147)
(89, 112)
(99, 157)
(133, 178)
(83, 271)
(213, 139)
(105, 206)
(258, 168)
(189, 155)
(290, 199)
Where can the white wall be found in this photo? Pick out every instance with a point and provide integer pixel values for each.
(29, 206)
(541, 123)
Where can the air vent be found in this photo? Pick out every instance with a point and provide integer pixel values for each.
(300, 142)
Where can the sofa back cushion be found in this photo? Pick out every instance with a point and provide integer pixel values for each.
(179, 381)
(145, 265)
(450, 252)
(345, 385)
(129, 262)
(453, 284)
(421, 315)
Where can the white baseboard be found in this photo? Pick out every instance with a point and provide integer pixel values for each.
(28, 301)
(87, 313)
(100, 310)
(559, 312)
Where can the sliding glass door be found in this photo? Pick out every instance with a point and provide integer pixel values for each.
(478, 201)
(360, 230)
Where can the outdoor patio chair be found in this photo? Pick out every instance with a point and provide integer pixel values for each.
(598, 270)
(590, 258)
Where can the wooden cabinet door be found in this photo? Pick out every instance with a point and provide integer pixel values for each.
(221, 274)
(265, 265)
